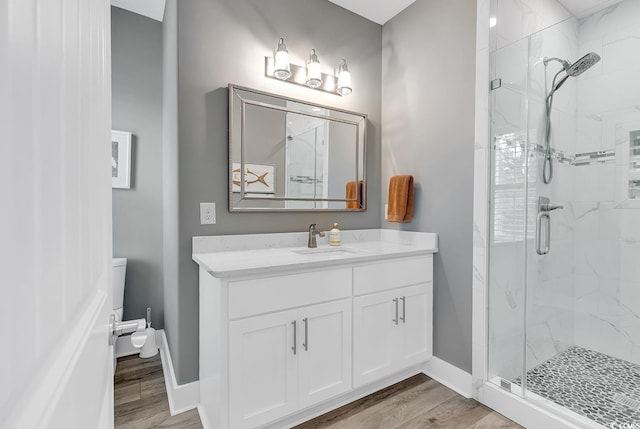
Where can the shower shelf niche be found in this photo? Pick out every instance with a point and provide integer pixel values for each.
(628, 165)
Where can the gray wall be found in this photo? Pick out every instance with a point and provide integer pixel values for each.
(136, 44)
(428, 72)
(225, 41)
(170, 199)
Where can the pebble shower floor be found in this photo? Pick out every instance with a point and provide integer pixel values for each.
(601, 387)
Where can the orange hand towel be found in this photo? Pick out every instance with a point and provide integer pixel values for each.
(400, 199)
(354, 193)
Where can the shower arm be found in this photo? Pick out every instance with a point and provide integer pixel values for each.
(565, 64)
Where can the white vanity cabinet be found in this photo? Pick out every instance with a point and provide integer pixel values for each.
(285, 361)
(392, 328)
(286, 335)
(289, 343)
(262, 369)
(324, 354)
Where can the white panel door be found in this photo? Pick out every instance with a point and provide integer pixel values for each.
(416, 320)
(324, 359)
(55, 221)
(262, 368)
(376, 337)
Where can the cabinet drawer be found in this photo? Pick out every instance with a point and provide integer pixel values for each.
(388, 275)
(264, 295)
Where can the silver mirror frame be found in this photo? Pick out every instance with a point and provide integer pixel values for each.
(360, 124)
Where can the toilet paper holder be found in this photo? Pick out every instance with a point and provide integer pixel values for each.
(127, 327)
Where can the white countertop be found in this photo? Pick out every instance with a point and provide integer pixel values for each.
(236, 255)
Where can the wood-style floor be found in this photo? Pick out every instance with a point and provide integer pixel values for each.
(416, 403)
(140, 397)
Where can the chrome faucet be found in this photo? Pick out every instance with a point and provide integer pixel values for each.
(312, 236)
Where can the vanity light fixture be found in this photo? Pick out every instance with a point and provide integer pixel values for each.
(281, 68)
(309, 75)
(314, 75)
(344, 78)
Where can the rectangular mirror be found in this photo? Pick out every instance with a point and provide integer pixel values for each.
(295, 155)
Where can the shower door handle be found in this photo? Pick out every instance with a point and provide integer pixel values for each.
(539, 220)
(544, 207)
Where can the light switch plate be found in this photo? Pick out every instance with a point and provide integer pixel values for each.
(207, 213)
(386, 211)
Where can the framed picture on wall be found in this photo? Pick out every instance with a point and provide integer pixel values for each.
(120, 159)
(258, 178)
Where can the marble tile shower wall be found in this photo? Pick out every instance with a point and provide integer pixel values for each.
(607, 229)
(550, 302)
(518, 19)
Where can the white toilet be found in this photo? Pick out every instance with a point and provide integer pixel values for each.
(144, 337)
(119, 272)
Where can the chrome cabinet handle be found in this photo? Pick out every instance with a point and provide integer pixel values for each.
(306, 334)
(539, 221)
(295, 337)
(404, 309)
(395, 300)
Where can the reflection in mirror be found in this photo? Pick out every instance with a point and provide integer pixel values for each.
(294, 155)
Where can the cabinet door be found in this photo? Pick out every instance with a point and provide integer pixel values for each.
(262, 369)
(376, 337)
(324, 357)
(416, 318)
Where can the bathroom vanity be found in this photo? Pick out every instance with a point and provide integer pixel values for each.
(288, 333)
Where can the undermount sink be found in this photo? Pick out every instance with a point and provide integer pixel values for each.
(317, 250)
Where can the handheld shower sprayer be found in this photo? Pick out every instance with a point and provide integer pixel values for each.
(569, 70)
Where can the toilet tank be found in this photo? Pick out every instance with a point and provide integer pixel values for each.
(119, 271)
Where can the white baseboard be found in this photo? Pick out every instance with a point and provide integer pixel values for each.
(183, 397)
(451, 376)
(529, 414)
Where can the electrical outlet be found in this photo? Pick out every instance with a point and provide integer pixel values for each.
(207, 213)
(386, 211)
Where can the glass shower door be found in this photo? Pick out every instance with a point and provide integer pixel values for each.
(531, 314)
(564, 284)
(531, 305)
(508, 228)
(550, 295)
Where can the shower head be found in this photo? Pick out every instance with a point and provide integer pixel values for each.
(570, 70)
(583, 64)
(575, 69)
